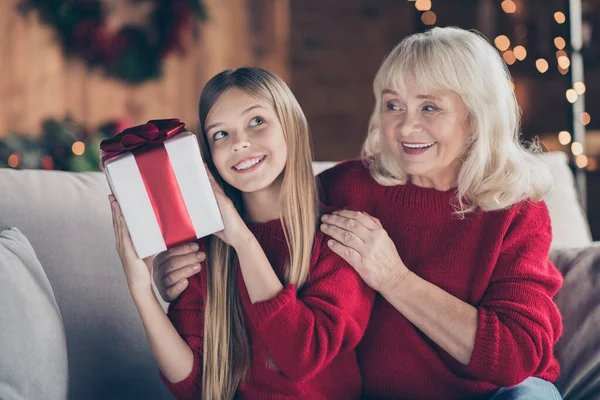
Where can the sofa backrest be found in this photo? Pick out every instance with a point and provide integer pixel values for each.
(66, 217)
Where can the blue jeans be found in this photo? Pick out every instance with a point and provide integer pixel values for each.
(530, 389)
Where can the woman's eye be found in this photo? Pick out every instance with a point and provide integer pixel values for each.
(430, 108)
(256, 121)
(392, 107)
(219, 135)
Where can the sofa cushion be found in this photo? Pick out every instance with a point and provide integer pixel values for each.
(569, 224)
(578, 350)
(66, 217)
(33, 364)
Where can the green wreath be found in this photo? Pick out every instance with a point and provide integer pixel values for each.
(133, 53)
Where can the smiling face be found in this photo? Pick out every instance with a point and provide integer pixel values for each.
(246, 141)
(426, 130)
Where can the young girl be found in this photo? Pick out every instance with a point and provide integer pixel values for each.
(273, 313)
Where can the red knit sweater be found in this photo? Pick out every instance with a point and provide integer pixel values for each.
(310, 334)
(496, 261)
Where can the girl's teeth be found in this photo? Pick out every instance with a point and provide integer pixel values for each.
(247, 164)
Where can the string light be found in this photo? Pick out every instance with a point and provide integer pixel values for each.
(14, 160)
(560, 17)
(564, 62)
(571, 95)
(581, 161)
(509, 57)
(502, 42)
(576, 148)
(585, 118)
(579, 87)
(509, 6)
(541, 65)
(78, 148)
(423, 5)
(429, 18)
(559, 42)
(520, 52)
(564, 138)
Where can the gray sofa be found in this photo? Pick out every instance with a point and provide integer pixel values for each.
(66, 217)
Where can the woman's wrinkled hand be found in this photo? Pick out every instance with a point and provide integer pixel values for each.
(361, 240)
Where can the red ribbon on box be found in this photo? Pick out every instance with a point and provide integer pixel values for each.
(146, 143)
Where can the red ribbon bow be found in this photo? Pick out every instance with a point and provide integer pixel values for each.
(141, 136)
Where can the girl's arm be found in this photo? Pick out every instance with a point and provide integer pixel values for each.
(305, 331)
(175, 358)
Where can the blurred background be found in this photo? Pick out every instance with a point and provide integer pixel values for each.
(73, 72)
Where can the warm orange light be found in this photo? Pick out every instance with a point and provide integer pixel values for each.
(585, 118)
(520, 52)
(564, 62)
(509, 6)
(509, 57)
(502, 42)
(571, 96)
(541, 65)
(559, 43)
(576, 148)
(564, 138)
(423, 5)
(581, 161)
(429, 18)
(560, 17)
(579, 87)
(78, 148)
(14, 160)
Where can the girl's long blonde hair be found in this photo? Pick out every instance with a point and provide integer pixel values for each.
(497, 170)
(226, 349)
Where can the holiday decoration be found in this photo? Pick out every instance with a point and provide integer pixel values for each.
(127, 39)
(62, 145)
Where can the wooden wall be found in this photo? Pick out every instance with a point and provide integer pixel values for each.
(37, 82)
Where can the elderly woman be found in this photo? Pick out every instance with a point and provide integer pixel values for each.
(450, 230)
(449, 227)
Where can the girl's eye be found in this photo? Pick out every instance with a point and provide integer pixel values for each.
(219, 135)
(391, 107)
(256, 121)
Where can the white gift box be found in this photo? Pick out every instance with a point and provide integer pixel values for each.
(126, 183)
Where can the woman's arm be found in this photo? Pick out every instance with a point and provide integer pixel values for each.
(448, 321)
(510, 334)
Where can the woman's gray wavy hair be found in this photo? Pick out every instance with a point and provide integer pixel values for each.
(497, 170)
